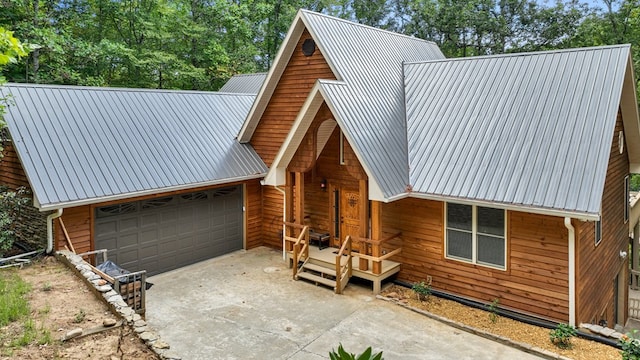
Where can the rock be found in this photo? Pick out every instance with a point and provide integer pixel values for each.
(137, 317)
(596, 328)
(104, 288)
(72, 333)
(141, 329)
(108, 322)
(127, 311)
(101, 282)
(607, 332)
(160, 345)
(94, 277)
(109, 294)
(139, 323)
(148, 336)
(616, 335)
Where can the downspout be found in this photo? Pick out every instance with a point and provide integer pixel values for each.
(284, 218)
(50, 219)
(572, 270)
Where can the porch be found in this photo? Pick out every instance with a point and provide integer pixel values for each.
(334, 267)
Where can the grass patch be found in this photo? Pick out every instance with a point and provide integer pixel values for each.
(13, 304)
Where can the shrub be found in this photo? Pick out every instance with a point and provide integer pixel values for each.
(11, 204)
(493, 310)
(630, 346)
(341, 354)
(561, 336)
(422, 290)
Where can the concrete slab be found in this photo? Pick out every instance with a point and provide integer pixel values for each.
(246, 306)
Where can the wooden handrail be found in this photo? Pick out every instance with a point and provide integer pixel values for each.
(379, 242)
(300, 247)
(343, 272)
(294, 225)
(376, 256)
(66, 235)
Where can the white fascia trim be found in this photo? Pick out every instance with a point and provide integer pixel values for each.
(630, 118)
(496, 205)
(97, 200)
(572, 270)
(276, 174)
(273, 76)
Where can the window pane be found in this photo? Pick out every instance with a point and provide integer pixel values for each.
(491, 250)
(490, 221)
(459, 216)
(459, 244)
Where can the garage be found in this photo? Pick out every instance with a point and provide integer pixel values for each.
(165, 233)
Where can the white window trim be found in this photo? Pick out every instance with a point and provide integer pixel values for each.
(474, 241)
(341, 148)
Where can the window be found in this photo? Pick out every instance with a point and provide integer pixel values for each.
(476, 234)
(626, 198)
(598, 231)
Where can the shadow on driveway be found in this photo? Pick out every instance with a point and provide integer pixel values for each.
(245, 305)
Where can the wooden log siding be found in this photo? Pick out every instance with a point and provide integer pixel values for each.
(536, 279)
(272, 208)
(253, 215)
(292, 90)
(597, 266)
(79, 223)
(11, 172)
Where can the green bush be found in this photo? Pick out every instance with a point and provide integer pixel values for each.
(341, 354)
(493, 310)
(561, 336)
(630, 346)
(422, 290)
(11, 204)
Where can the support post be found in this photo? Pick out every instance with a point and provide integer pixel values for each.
(288, 199)
(376, 234)
(363, 264)
(299, 198)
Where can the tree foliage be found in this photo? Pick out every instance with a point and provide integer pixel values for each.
(197, 44)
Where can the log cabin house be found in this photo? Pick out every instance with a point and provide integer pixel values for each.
(497, 177)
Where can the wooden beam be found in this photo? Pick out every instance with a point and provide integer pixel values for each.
(363, 264)
(376, 234)
(299, 197)
(66, 235)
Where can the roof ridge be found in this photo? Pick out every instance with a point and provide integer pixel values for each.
(519, 54)
(251, 74)
(119, 89)
(389, 32)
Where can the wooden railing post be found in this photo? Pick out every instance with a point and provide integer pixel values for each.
(363, 264)
(377, 264)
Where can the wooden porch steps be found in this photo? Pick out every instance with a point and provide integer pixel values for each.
(317, 274)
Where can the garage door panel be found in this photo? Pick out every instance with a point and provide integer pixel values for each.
(165, 233)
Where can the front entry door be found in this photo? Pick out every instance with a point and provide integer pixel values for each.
(350, 215)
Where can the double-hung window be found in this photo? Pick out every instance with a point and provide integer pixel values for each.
(476, 234)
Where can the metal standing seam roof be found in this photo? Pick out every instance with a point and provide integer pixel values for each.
(531, 129)
(244, 83)
(368, 100)
(85, 145)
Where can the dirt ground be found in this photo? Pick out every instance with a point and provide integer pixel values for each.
(59, 302)
(514, 330)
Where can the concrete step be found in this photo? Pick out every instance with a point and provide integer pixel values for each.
(317, 279)
(320, 269)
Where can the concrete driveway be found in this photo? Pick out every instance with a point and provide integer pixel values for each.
(246, 306)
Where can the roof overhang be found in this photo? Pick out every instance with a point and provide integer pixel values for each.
(276, 176)
(275, 72)
(103, 199)
(630, 118)
(511, 207)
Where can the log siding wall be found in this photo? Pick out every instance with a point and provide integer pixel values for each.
(536, 279)
(290, 94)
(597, 266)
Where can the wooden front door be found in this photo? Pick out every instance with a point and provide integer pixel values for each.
(350, 215)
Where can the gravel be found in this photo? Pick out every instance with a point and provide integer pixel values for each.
(514, 330)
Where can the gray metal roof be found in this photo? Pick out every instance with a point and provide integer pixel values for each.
(532, 130)
(85, 145)
(244, 83)
(369, 103)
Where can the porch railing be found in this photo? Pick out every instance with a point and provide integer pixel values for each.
(344, 267)
(300, 243)
(635, 280)
(373, 250)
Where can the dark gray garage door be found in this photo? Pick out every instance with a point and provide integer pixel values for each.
(165, 233)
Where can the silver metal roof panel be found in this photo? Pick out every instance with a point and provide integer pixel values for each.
(531, 129)
(83, 145)
(370, 102)
(244, 83)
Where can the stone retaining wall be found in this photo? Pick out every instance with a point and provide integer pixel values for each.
(103, 290)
